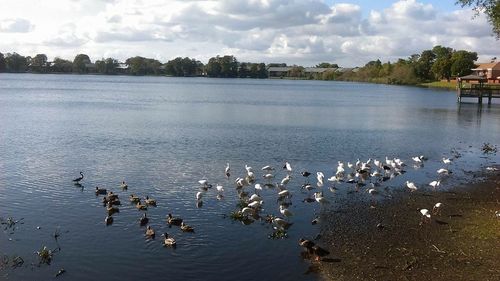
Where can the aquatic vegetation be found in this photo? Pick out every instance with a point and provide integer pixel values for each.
(44, 255)
(278, 234)
(489, 148)
(14, 262)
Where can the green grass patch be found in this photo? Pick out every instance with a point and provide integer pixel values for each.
(452, 85)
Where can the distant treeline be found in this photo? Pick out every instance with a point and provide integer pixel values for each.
(225, 66)
(431, 65)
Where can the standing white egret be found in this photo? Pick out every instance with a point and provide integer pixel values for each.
(258, 187)
(411, 186)
(219, 188)
(268, 177)
(443, 171)
(267, 169)
(287, 167)
(320, 177)
(426, 216)
(286, 180)
(436, 210)
(248, 168)
(435, 184)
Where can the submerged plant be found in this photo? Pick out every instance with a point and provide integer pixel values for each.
(279, 233)
(44, 255)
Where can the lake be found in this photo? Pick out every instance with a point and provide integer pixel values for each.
(162, 135)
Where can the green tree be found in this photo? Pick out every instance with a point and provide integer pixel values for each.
(16, 63)
(80, 63)
(39, 63)
(424, 64)
(225, 67)
(3, 67)
(442, 66)
(462, 62)
(489, 7)
(327, 65)
(144, 66)
(62, 66)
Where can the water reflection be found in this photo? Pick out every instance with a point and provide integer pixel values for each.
(162, 135)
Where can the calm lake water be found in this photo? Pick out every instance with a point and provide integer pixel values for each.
(162, 135)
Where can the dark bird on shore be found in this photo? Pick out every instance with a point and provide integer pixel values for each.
(316, 251)
(78, 179)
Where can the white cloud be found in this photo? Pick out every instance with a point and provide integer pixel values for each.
(294, 31)
(18, 25)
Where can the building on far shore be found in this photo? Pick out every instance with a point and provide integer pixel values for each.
(490, 71)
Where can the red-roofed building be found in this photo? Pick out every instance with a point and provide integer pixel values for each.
(490, 71)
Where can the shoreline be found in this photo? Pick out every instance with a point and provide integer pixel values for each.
(387, 241)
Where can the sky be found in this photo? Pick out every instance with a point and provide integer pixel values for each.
(303, 32)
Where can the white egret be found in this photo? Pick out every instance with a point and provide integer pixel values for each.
(426, 216)
(320, 177)
(411, 186)
(435, 184)
(437, 208)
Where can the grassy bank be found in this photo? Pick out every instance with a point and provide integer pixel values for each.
(386, 240)
(452, 85)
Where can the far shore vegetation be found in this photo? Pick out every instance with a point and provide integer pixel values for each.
(428, 68)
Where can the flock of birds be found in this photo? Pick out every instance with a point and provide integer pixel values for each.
(111, 201)
(369, 175)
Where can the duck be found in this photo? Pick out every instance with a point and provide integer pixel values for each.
(144, 219)
(111, 210)
(123, 185)
(150, 232)
(169, 241)
(285, 212)
(307, 244)
(108, 220)
(78, 179)
(100, 190)
(111, 196)
(134, 198)
(150, 201)
(436, 210)
(186, 228)
(172, 220)
(319, 252)
(140, 206)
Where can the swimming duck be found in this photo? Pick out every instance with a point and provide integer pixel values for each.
(150, 233)
(108, 220)
(140, 206)
(123, 185)
(100, 190)
(186, 228)
(144, 219)
(174, 221)
(169, 241)
(111, 196)
(150, 201)
(111, 210)
(134, 198)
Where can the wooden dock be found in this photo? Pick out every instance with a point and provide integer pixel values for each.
(474, 87)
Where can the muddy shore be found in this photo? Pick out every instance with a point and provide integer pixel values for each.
(387, 241)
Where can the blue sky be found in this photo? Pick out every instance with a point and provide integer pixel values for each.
(443, 5)
(304, 32)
